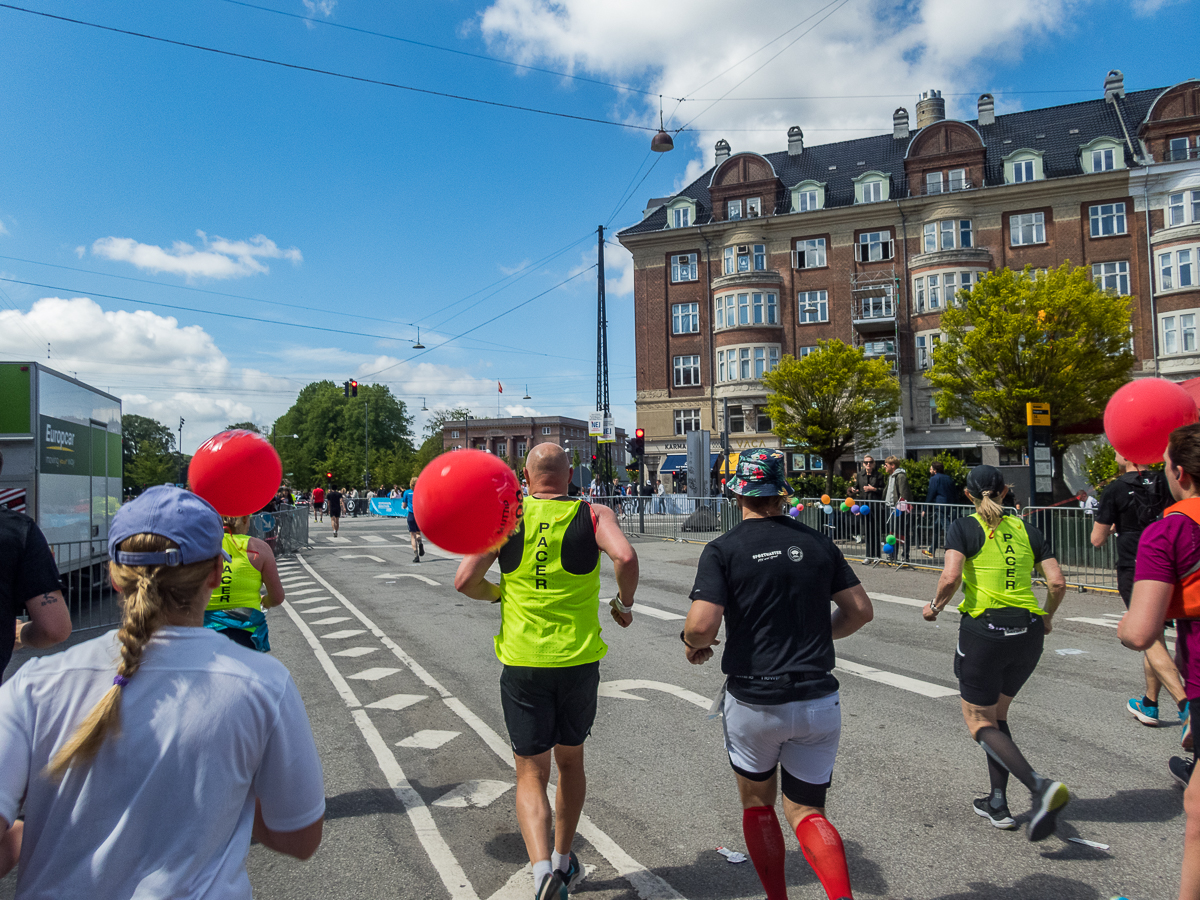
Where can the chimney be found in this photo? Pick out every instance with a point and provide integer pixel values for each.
(795, 141)
(930, 108)
(1114, 85)
(900, 124)
(987, 109)
(722, 151)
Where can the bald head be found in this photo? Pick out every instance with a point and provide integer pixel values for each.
(548, 469)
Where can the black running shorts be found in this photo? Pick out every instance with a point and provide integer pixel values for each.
(412, 524)
(1125, 584)
(544, 707)
(996, 654)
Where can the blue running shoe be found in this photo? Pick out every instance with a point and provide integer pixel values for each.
(1143, 712)
(574, 873)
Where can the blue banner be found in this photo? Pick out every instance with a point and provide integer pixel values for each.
(388, 506)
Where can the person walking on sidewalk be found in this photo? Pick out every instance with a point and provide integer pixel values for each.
(941, 491)
(1000, 638)
(1129, 504)
(897, 496)
(771, 580)
(550, 645)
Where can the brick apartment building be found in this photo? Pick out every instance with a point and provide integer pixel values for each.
(514, 437)
(867, 241)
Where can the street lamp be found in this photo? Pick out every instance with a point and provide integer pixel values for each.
(418, 345)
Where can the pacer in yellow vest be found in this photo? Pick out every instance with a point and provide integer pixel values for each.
(236, 606)
(550, 645)
(1000, 638)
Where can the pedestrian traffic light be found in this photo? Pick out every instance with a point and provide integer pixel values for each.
(329, 476)
(593, 460)
(353, 388)
(639, 443)
(346, 388)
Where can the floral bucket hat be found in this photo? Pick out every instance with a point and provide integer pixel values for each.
(761, 473)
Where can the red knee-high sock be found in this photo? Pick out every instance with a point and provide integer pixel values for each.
(822, 846)
(764, 840)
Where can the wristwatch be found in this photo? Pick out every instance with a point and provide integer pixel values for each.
(620, 607)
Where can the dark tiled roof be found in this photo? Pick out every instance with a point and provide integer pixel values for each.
(1048, 130)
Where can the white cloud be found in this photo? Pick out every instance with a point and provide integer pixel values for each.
(1150, 7)
(618, 269)
(217, 258)
(3, 230)
(864, 48)
(319, 8)
(514, 269)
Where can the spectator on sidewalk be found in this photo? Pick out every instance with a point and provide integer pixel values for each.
(897, 496)
(941, 491)
(868, 484)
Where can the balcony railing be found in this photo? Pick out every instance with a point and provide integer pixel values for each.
(873, 311)
(878, 349)
(951, 187)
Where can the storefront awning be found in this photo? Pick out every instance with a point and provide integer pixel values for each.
(677, 462)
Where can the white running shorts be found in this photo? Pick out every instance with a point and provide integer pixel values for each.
(802, 735)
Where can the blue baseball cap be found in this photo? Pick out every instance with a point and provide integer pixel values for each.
(178, 515)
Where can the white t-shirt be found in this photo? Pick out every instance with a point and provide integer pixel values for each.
(167, 807)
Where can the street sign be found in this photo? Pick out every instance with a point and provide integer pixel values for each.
(1041, 462)
(608, 431)
(1037, 413)
(596, 424)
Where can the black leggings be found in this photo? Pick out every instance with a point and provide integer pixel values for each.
(996, 653)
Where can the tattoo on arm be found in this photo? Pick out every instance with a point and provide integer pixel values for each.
(47, 599)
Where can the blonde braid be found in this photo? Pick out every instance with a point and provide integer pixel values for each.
(145, 590)
(988, 506)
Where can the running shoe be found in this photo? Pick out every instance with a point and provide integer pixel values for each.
(574, 873)
(1143, 712)
(1181, 769)
(420, 547)
(552, 887)
(999, 817)
(417, 558)
(1047, 804)
(928, 553)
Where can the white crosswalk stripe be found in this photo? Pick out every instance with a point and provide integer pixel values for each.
(321, 599)
(341, 635)
(373, 674)
(355, 651)
(479, 794)
(429, 739)
(332, 620)
(374, 539)
(320, 609)
(397, 701)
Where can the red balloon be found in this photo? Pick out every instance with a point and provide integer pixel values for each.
(238, 472)
(1141, 415)
(467, 501)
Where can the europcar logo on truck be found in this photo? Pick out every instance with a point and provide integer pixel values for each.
(65, 447)
(59, 440)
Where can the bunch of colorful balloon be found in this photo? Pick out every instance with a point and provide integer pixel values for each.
(795, 507)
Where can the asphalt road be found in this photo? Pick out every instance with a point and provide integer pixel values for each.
(401, 684)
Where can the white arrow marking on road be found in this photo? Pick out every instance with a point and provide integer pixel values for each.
(478, 794)
(408, 575)
(374, 539)
(356, 651)
(924, 688)
(319, 609)
(650, 611)
(338, 635)
(332, 620)
(320, 599)
(429, 740)
(618, 689)
(373, 674)
(397, 701)
(359, 556)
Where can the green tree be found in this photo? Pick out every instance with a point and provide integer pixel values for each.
(150, 466)
(829, 401)
(147, 452)
(244, 426)
(1100, 466)
(1054, 337)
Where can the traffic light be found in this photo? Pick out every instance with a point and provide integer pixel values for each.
(353, 388)
(593, 461)
(329, 476)
(639, 443)
(346, 388)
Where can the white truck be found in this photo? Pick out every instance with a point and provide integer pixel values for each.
(61, 441)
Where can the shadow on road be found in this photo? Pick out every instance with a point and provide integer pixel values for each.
(1141, 805)
(367, 802)
(1031, 887)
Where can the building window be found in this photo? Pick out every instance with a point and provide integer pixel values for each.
(806, 201)
(681, 217)
(683, 267)
(958, 180)
(745, 363)
(1106, 219)
(502, 448)
(1112, 276)
(925, 347)
(1176, 268)
(1023, 171)
(1104, 160)
(815, 463)
(802, 352)
(948, 234)
(1179, 149)
(741, 257)
(453, 434)
(687, 420)
(1179, 333)
(872, 192)
(521, 447)
(735, 209)
(1183, 208)
(749, 308)
(545, 429)
(934, 292)
(874, 246)
(1027, 228)
(933, 182)
(764, 421)
(687, 371)
(754, 207)
(809, 254)
(934, 417)
(737, 420)
(685, 318)
(814, 306)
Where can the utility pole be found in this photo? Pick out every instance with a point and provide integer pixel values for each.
(602, 402)
(367, 440)
(178, 449)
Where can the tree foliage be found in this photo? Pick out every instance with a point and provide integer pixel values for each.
(331, 429)
(1054, 337)
(244, 426)
(832, 399)
(148, 455)
(1100, 465)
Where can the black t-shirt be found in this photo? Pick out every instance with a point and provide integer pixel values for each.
(776, 578)
(27, 570)
(967, 536)
(1132, 502)
(334, 499)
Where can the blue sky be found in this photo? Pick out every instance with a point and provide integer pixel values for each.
(179, 177)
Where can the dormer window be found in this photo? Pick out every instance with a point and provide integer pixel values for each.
(681, 218)
(1022, 166)
(1104, 154)
(681, 213)
(872, 187)
(745, 258)
(734, 209)
(808, 196)
(754, 207)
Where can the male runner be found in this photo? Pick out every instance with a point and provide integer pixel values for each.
(550, 645)
(333, 499)
(1128, 505)
(772, 579)
(318, 498)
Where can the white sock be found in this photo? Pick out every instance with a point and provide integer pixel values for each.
(541, 869)
(562, 861)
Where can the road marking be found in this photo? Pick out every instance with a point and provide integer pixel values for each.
(436, 848)
(295, 582)
(320, 599)
(479, 794)
(359, 556)
(645, 883)
(319, 609)
(373, 674)
(356, 651)
(409, 575)
(336, 540)
(890, 598)
(315, 590)
(397, 701)
(924, 688)
(619, 688)
(374, 539)
(517, 887)
(429, 740)
(650, 611)
(1087, 620)
(332, 620)
(339, 635)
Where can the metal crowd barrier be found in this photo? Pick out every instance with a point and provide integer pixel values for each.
(674, 516)
(83, 576)
(286, 531)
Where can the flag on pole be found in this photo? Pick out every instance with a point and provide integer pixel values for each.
(499, 388)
